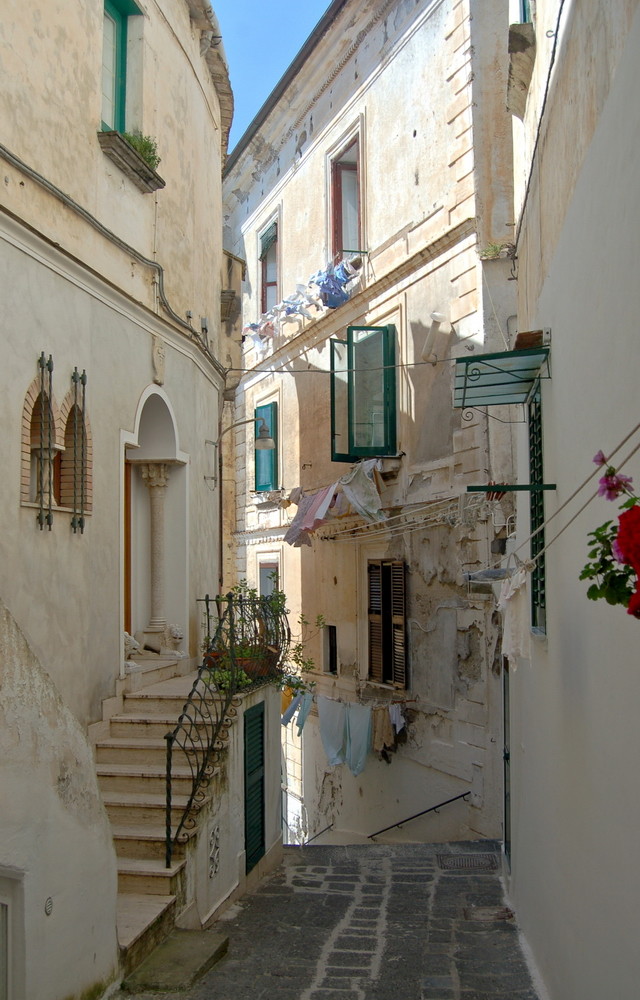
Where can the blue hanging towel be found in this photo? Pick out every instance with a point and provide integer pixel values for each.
(332, 716)
(358, 726)
(305, 708)
(290, 712)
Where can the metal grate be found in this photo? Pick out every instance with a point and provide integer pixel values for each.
(467, 862)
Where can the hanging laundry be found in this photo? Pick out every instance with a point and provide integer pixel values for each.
(358, 736)
(316, 515)
(383, 735)
(291, 711)
(361, 492)
(514, 606)
(305, 708)
(396, 716)
(332, 717)
(296, 534)
(332, 291)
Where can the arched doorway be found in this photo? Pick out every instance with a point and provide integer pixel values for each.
(155, 523)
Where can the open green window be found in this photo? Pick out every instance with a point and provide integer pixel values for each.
(363, 393)
(266, 460)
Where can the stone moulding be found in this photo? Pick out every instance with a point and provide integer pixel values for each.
(127, 159)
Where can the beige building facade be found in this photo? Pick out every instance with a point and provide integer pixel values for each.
(386, 146)
(114, 349)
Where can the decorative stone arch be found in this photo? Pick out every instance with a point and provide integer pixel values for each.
(156, 476)
(30, 439)
(68, 465)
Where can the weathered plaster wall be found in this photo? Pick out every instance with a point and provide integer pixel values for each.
(171, 97)
(420, 195)
(56, 839)
(574, 728)
(66, 589)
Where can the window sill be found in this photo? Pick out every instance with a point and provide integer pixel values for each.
(55, 509)
(130, 162)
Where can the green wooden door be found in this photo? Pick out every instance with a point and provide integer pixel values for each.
(254, 784)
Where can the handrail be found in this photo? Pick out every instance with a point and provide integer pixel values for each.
(202, 729)
(423, 813)
(316, 835)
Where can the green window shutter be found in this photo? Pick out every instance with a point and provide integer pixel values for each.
(254, 790)
(364, 376)
(266, 461)
(536, 513)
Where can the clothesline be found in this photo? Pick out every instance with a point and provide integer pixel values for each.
(530, 563)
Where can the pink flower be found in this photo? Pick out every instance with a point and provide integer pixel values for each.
(617, 551)
(613, 484)
(599, 458)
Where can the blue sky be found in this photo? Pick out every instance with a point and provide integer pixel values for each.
(261, 38)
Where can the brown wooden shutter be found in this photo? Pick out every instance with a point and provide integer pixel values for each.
(398, 624)
(375, 621)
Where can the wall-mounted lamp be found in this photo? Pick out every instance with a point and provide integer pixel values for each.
(263, 442)
(437, 319)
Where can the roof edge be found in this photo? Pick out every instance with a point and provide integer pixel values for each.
(320, 29)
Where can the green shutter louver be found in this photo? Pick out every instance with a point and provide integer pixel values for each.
(254, 791)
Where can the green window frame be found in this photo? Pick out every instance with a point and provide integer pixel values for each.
(525, 11)
(387, 622)
(536, 513)
(266, 460)
(363, 393)
(114, 63)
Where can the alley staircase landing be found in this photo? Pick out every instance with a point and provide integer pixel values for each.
(130, 763)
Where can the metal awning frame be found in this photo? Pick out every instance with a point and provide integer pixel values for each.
(503, 379)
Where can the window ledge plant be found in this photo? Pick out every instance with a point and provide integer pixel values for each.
(614, 547)
(136, 155)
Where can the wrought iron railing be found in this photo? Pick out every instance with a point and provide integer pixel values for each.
(424, 812)
(247, 641)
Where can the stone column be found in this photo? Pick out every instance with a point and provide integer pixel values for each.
(155, 476)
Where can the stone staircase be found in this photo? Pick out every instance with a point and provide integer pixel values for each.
(130, 753)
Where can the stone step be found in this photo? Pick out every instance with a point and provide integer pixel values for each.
(146, 841)
(166, 698)
(135, 809)
(144, 876)
(140, 725)
(144, 777)
(130, 750)
(148, 670)
(143, 921)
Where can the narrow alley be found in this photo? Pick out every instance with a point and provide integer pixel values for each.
(417, 922)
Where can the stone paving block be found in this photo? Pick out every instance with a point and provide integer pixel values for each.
(351, 959)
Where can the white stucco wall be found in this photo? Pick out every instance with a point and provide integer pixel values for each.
(56, 840)
(574, 734)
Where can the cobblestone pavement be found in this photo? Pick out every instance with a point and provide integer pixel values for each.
(400, 922)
